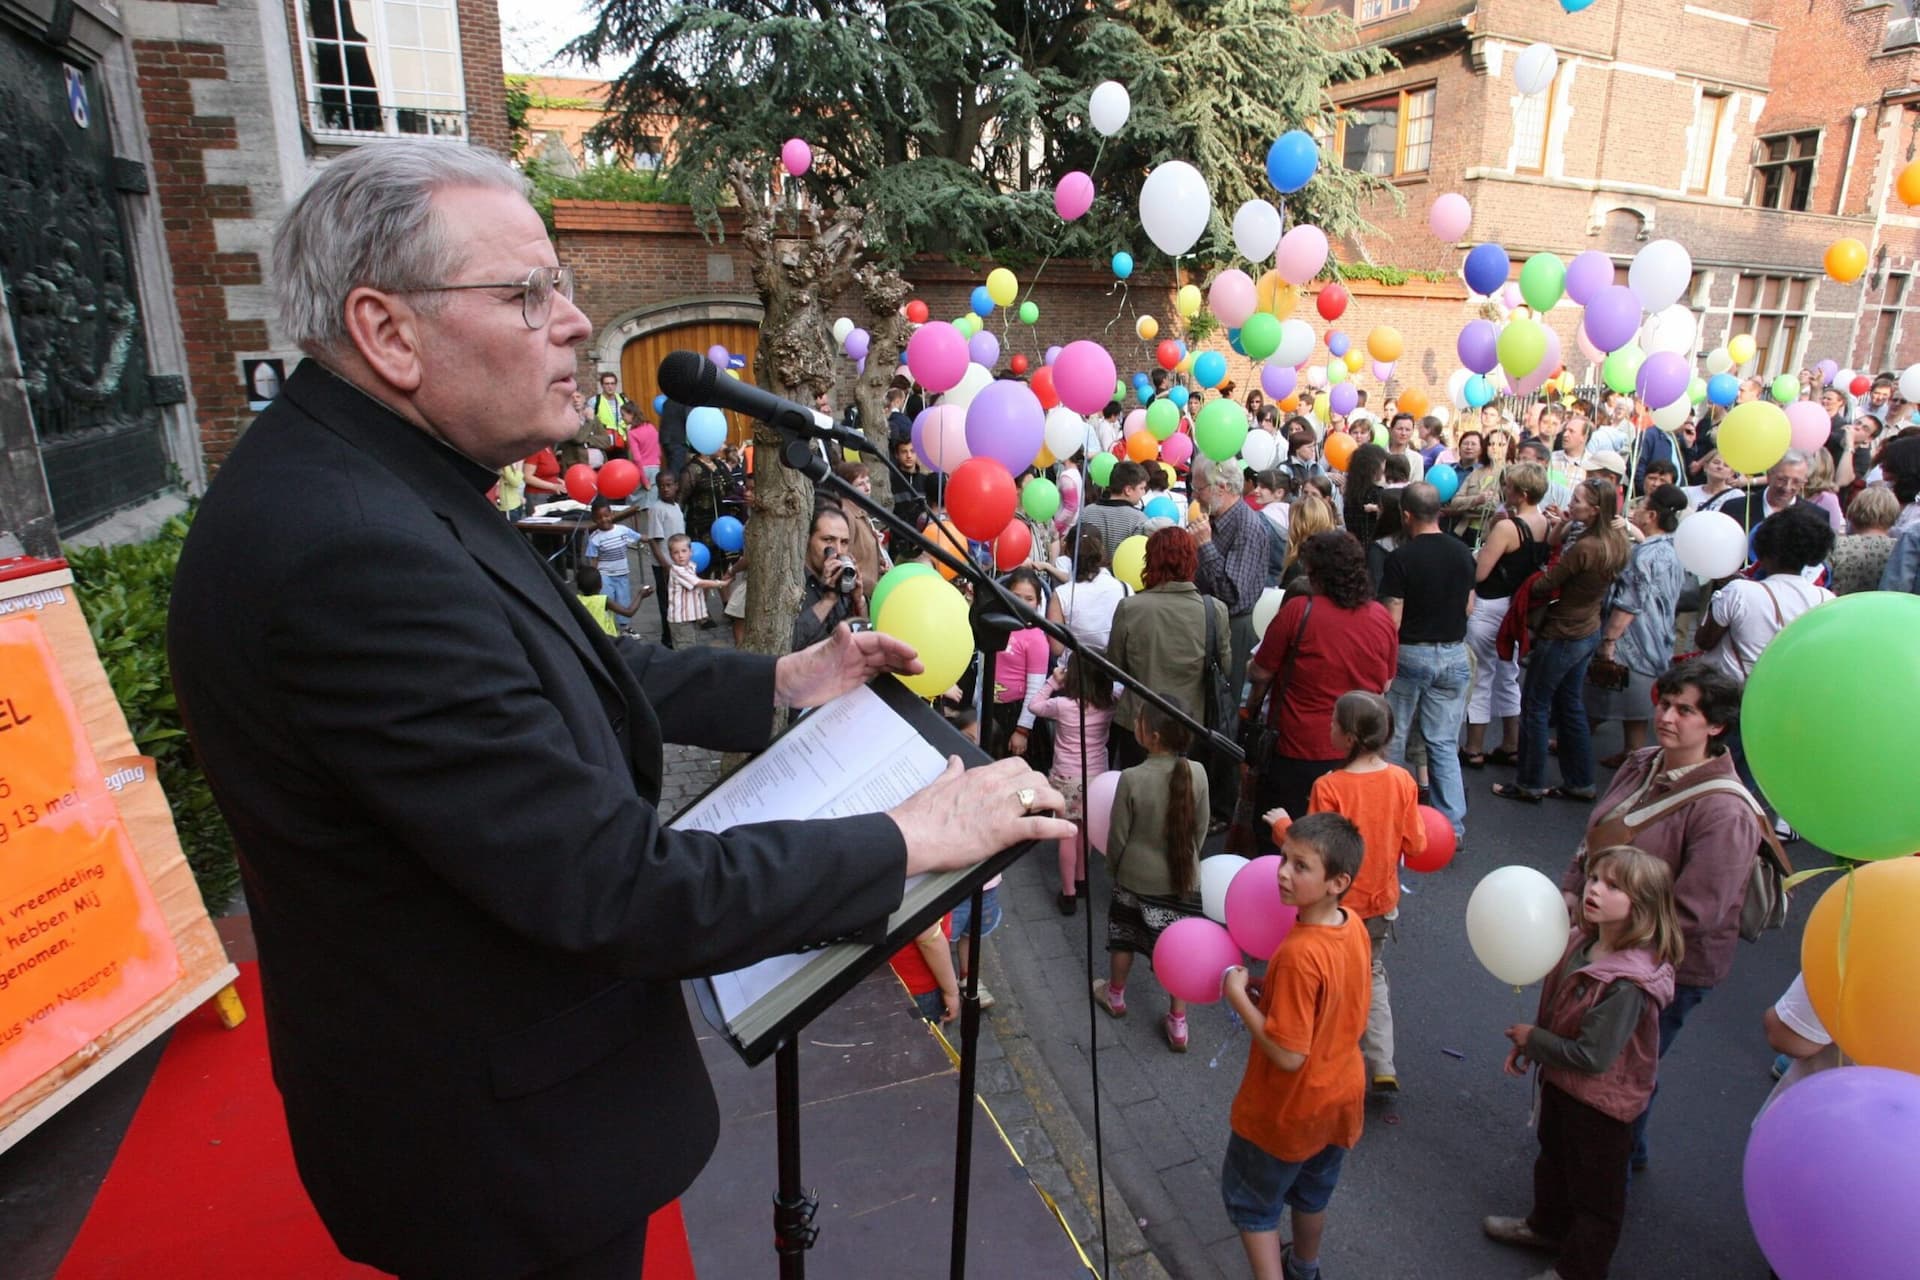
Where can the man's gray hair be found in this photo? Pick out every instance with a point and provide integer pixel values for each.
(1207, 473)
(1792, 458)
(367, 220)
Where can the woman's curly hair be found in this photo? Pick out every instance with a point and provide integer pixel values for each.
(1337, 567)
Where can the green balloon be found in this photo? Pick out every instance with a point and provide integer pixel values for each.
(1785, 389)
(1380, 436)
(893, 578)
(1040, 498)
(1336, 372)
(1805, 751)
(968, 325)
(1522, 346)
(1542, 280)
(1101, 467)
(1221, 429)
(1029, 313)
(1163, 418)
(1697, 390)
(1260, 335)
(1622, 367)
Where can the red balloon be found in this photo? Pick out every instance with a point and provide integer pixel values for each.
(618, 479)
(1167, 354)
(1331, 302)
(1019, 365)
(917, 311)
(981, 497)
(1013, 546)
(1440, 842)
(1860, 385)
(1042, 387)
(581, 485)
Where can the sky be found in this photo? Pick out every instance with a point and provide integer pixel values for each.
(532, 30)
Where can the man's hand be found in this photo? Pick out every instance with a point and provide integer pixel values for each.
(967, 815)
(1516, 1064)
(846, 658)
(1202, 530)
(1518, 1033)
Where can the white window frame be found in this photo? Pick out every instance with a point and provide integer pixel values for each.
(380, 50)
(1748, 319)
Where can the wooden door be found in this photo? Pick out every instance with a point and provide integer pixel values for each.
(640, 363)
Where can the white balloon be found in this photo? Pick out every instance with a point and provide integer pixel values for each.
(1668, 417)
(975, 380)
(1672, 329)
(1910, 383)
(1442, 412)
(1266, 608)
(1660, 274)
(1109, 106)
(1256, 230)
(1710, 544)
(841, 328)
(1457, 389)
(1533, 69)
(1216, 873)
(1296, 343)
(1259, 450)
(1718, 361)
(1066, 432)
(1174, 206)
(1517, 924)
(1843, 379)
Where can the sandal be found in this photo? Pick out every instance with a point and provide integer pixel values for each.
(1474, 761)
(1514, 791)
(1586, 796)
(1500, 755)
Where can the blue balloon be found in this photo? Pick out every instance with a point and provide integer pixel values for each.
(982, 301)
(1444, 479)
(1723, 389)
(1575, 6)
(1292, 161)
(1477, 391)
(706, 429)
(1339, 343)
(659, 404)
(702, 557)
(1123, 265)
(729, 534)
(1210, 368)
(1144, 391)
(1179, 396)
(1486, 269)
(1233, 340)
(1163, 508)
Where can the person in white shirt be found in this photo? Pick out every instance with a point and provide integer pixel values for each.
(1400, 445)
(1795, 1032)
(1084, 604)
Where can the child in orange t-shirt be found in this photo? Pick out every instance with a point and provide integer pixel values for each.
(1383, 801)
(1299, 1107)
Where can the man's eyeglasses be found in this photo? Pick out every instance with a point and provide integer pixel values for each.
(536, 291)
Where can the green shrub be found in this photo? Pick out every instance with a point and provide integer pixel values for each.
(124, 592)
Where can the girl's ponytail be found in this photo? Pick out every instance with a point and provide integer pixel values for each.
(1181, 845)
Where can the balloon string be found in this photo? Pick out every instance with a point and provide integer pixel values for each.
(1846, 933)
(1098, 151)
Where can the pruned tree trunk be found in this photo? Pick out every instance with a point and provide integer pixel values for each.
(885, 293)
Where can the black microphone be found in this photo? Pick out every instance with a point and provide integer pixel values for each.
(692, 379)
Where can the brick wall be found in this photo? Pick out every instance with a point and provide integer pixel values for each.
(485, 74)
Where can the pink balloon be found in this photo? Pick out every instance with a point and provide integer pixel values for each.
(1177, 449)
(1073, 195)
(1191, 956)
(796, 156)
(1303, 251)
(1134, 421)
(1587, 348)
(1316, 377)
(1232, 297)
(940, 437)
(1450, 216)
(1382, 370)
(1510, 295)
(937, 356)
(1256, 917)
(1542, 371)
(1808, 424)
(1083, 375)
(1100, 793)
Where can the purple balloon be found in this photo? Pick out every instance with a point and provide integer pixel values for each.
(1662, 378)
(1005, 422)
(1587, 275)
(1479, 346)
(1343, 398)
(1864, 1121)
(1382, 370)
(1613, 318)
(857, 343)
(984, 350)
(718, 354)
(1829, 369)
(1278, 381)
(1338, 343)
(1053, 353)
(860, 365)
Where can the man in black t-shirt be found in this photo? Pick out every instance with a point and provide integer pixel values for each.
(1428, 588)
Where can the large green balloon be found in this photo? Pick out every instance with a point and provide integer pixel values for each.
(1816, 698)
(1697, 390)
(1622, 367)
(1785, 388)
(1260, 335)
(1163, 418)
(1040, 498)
(1522, 346)
(1221, 429)
(1542, 281)
(1029, 313)
(1336, 372)
(1100, 468)
(894, 577)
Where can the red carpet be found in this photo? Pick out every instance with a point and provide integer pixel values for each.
(204, 1187)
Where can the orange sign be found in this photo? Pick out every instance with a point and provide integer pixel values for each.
(82, 942)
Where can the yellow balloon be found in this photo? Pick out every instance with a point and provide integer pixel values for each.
(1188, 300)
(1147, 327)
(1002, 287)
(1173, 477)
(1354, 359)
(1740, 347)
(1186, 363)
(1870, 1014)
(1385, 344)
(929, 614)
(1044, 458)
(1129, 562)
(1275, 295)
(1753, 436)
(1320, 406)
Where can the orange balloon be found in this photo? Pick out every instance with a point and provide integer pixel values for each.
(944, 535)
(1415, 401)
(1142, 446)
(1291, 404)
(1275, 295)
(1908, 184)
(1870, 1013)
(1846, 260)
(1385, 344)
(1354, 359)
(1339, 449)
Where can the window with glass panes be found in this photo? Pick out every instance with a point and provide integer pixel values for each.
(1374, 10)
(1783, 173)
(384, 66)
(1707, 114)
(1388, 136)
(1774, 310)
(1531, 121)
(1886, 331)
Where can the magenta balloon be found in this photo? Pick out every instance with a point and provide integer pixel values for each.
(1278, 381)
(1808, 423)
(1479, 346)
(984, 349)
(1613, 317)
(1344, 397)
(1663, 379)
(940, 437)
(1191, 956)
(1084, 375)
(1256, 917)
(937, 356)
(1177, 449)
(1073, 195)
(796, 156)
(1587, 275)
(1005, 422)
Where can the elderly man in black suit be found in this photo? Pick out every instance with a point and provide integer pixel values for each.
(442, 777)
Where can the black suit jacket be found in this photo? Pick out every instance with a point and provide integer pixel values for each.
(442, 779)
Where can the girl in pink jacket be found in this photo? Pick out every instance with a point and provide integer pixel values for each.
(1079, 699)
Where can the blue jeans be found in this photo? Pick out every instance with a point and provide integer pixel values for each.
(618, 588)
(1431, 684)
(1672, 1018)
(1553, 694)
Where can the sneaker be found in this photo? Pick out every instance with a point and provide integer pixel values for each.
(1786, 832)
(1293, 1269)
(1780, 1064)
(1386, 1082)
(1176, 1028)
(1516, 1231)
(1112, 998)
(986, 997)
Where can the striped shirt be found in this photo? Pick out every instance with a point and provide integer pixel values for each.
(686, 600)
(607, 548)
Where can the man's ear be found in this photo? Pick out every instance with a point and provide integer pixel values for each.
(385, 331)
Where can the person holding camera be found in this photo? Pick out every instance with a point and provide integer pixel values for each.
(834, 591)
